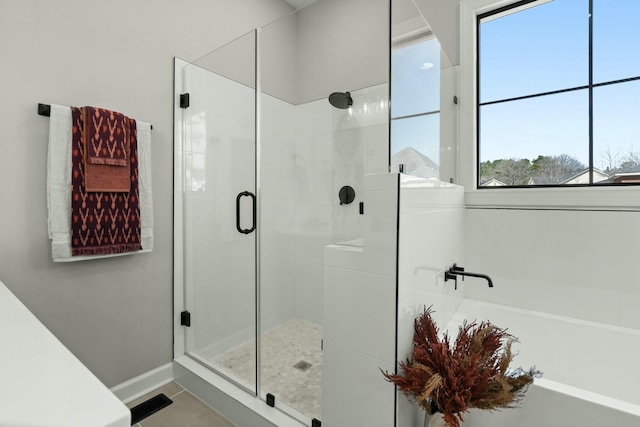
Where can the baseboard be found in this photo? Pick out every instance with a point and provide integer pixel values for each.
(143, 384)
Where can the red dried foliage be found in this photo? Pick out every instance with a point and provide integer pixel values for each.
(471, 373)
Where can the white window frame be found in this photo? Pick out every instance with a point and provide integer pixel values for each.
(588, 198)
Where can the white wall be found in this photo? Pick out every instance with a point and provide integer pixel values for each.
(279, 59)
(443, 18)
(115, 315)
(342, 46)
(582, 264)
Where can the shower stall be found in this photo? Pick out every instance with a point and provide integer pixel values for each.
(302, 257)
(262, 160)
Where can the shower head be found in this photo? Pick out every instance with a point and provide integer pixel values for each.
(341, 100)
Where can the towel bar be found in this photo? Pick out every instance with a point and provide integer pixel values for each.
(45, 110)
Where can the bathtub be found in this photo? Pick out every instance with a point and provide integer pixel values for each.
(591, 370)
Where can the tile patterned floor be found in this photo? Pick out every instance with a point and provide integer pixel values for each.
(281, 348)
(185, 411)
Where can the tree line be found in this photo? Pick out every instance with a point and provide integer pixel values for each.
(551, 170)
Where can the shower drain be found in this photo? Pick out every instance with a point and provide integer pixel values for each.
(302, 365)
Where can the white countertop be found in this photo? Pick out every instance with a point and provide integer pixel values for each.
(42, 383)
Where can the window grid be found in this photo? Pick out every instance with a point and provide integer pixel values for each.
(590, 87)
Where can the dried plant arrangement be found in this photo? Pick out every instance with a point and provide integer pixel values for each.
(471, 373)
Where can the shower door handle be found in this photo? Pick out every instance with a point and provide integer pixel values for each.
(253, 224)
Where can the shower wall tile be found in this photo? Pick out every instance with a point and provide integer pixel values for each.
(323, 167)
(278, 184)
(348, 170)
(278, 144)
(374, 105)
(376, 148)
(381, 182)
(629, 313)
(277, 294)
(206, 259)
(368, 398)
(309, 246)
(310, 224)
(380, 229)
(313, 116)
(218, 326)
(276, 211)
(349, 257)
(274, 220)
(362, 307)
(310, 218)
(309, 290)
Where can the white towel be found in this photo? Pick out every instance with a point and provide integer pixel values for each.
(59, 187)
(144, 185)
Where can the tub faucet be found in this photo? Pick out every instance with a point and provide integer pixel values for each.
(455, 271)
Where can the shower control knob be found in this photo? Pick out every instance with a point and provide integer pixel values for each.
(347, 195)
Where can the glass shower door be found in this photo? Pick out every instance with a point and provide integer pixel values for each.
(220, 211)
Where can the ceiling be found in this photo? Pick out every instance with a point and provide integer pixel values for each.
(299, 4)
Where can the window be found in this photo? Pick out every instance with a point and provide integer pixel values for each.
(415, 108)
(559, 94)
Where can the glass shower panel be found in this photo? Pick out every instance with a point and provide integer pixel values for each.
(294, 227)
(220, 210)
(309, 150)
(422, 89)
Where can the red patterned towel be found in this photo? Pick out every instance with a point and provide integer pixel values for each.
(103, 222)
(107, 136)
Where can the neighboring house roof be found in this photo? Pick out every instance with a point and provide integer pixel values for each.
(542, 180)
(631, 170)
(582, 177)
(493, 183)
(631, 174)
(415, 163)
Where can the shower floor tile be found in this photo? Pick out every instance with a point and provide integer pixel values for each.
(281, 348)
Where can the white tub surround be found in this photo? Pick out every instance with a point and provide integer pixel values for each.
(431, 239)
(43, 383)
